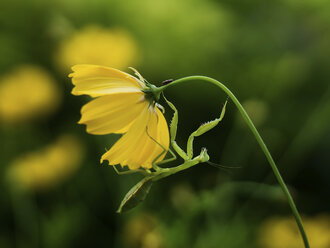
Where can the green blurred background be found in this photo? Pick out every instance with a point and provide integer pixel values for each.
(274, 56)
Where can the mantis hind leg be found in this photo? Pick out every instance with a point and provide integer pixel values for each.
(126, 172)
(155, 166)
(168, 159)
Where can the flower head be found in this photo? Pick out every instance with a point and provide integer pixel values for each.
(125, 105)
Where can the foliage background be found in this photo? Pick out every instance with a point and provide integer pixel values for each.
(274, 55)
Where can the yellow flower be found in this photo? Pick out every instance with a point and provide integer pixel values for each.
(28, 92)
(123, 105)
(282, 232)
(46, 167)
(97, 45)
(143, 230)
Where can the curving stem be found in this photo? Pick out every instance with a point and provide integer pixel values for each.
(258, 138)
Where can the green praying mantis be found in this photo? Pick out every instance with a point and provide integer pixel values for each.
(139, 192)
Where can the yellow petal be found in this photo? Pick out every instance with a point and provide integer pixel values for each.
(158, 130)
(145, 146)
(163, 136)
(112, 114)
(136, 149)
(124, 147)
(97, 80)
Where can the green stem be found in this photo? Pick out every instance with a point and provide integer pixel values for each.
(258, 138)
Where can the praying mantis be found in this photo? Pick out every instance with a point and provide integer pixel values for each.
(139, 192)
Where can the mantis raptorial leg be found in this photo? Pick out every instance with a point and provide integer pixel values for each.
(173, 130)
(203, 129)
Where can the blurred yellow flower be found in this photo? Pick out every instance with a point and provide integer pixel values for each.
(282, 232)
(121, 106)
(143, 231)
(44, 168)
(97, 45)
(27, 92)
